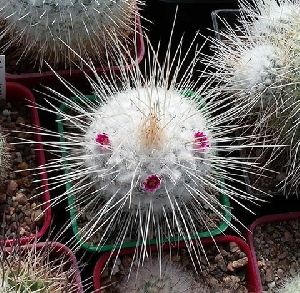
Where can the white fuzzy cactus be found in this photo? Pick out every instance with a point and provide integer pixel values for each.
(45, 29)
(271, 17)
(145, 158)
(259, 65)
(164, 277)
(148, 158)
(291, 285)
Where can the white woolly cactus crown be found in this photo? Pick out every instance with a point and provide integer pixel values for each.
(51, 29)
(148, 138)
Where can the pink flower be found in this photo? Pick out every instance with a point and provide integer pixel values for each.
(103, 139)
(201, 140)
(152, 183)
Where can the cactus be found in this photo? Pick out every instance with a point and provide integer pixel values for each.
(47, 30)
(291, 285)
(32, 269)
(4, 158)
(258, 63)
(145, 156)
(165, 277)
(271, 17)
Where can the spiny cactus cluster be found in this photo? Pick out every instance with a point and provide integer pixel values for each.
(259, 65)
(50, 30)
(33, 269)
(164, 277)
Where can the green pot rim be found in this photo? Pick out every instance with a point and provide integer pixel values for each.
(224, 200)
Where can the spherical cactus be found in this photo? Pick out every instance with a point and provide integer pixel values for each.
(271, 17)
(51, 29)
(167, 277)
(259, 65)
(291, 285)
(140, 143)
(144, 158)
(35, 269)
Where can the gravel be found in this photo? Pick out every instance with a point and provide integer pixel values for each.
(20, 211)
(277, 247)
(225, 273)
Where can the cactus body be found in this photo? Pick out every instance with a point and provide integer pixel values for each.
(50, 30)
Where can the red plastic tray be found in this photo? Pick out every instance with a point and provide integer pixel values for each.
(58, 249)
(253, 284)
(17, 92)
(261, 221)
(48, 77)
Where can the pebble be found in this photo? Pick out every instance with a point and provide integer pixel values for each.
(11, 187)
(233, 247)
(21, 198)
(240, 263)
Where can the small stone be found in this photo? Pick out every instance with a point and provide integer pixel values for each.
(269, 275)
(115, 270)
(233, 247)
(280, 273)
(5, 112)
(213, 282)
(2, 198)
(282, 256)
(11, 187)
(240, 263)
(22, 231)
(287, 236)
(231, 280)
(230, 267)
(18, 157)
(37, 215)
(261, 264)
(21, 198)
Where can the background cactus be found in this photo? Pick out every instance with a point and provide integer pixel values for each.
(259, 63)
(167, 277)
(29, 269)
(49, 30)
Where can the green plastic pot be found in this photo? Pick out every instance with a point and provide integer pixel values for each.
(224, 200)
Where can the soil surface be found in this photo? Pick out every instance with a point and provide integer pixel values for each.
(277, 248)
(21, 212)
